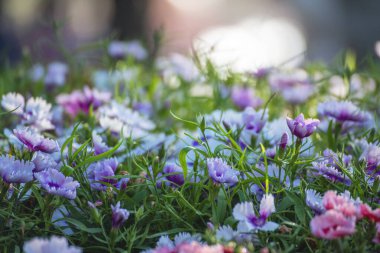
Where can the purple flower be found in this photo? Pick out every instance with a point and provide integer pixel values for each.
(15, 171)
(54, 182)
(43, 161)
(176, 174)
(314, 201)
(331, 173)
(283, 141)
(294, 87)
(249, 221)
(99, 146)
(300, 127)
(52, 245)
(254, 120)
(102, 173)
(35, 141)
(56, 74)
(244, 97)
(220, 172)
(119, 216)
(343, 111)
(81, 101)
(121, 49)
(371, 155)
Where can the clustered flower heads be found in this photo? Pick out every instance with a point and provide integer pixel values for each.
(140, 160)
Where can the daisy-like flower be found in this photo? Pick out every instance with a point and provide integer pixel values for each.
(52, 245)
(301, 127)
(244, 97)
(332, 225)
(220, 172)
(314, 201)
(15, 171)
(81, 101)
(249, 221)
(35, 141)
(342, 111)
(54, 182)
(119, 216)
(371, 155)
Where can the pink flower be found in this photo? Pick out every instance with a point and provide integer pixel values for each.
(367, 212)
(332, 225)
(341, 203)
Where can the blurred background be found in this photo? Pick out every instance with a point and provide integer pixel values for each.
(245, 34)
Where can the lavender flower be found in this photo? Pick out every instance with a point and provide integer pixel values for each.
(314, 201)
(371, 155)
(99, 146)
(300, 127)
(54, 182)
(330, 173)
(102, 173)
(248, 221)
(294, 87)
(56, 74)
(176, 174)
(52, 245)
(43, 161)
(35, 141)
(220, 172)
(81, 101)
(244, 97)
(253, 120)
(343, 111)
(121, 49)
(15, 171)
(225, 233)
(119, 216)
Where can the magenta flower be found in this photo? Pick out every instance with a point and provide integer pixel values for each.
(35, 141)
(332, 225)
(52, 245)
(302, 127)
(119, 216)
(367, 212)
(244, 97)
(81, 101)
(249, 221)
(220, 172)
(54, 182)
(15, 171)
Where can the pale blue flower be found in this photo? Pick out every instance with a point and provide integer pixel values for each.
(53, 245)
